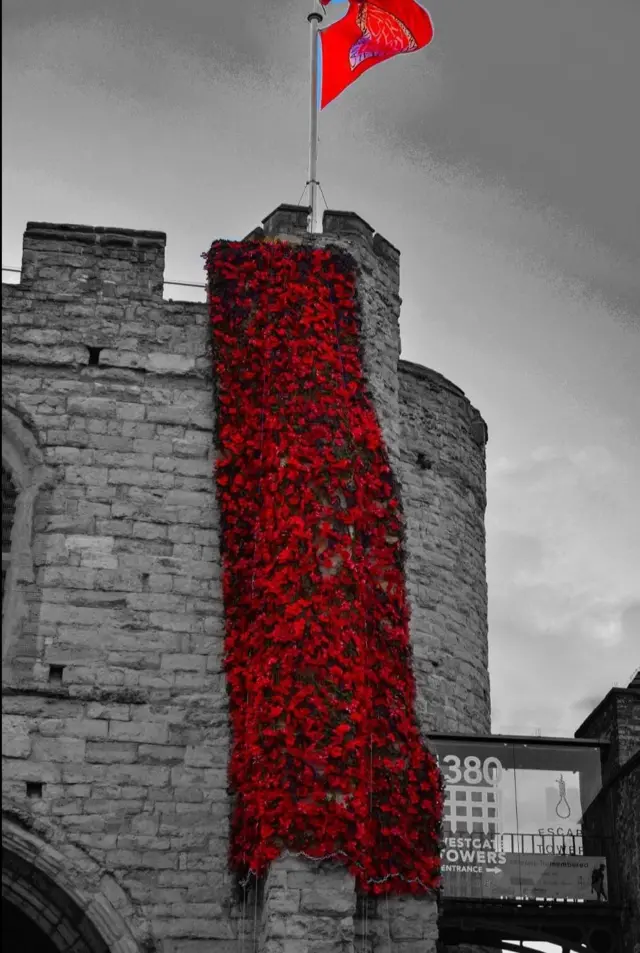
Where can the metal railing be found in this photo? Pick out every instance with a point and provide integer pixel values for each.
(532, 867)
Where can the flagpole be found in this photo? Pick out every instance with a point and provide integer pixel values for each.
(313, 225)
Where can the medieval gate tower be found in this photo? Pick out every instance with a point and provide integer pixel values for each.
(115, 722)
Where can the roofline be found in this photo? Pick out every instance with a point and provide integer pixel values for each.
(522, 739)
(606, 700)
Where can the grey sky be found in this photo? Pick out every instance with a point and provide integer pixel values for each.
(502, 161)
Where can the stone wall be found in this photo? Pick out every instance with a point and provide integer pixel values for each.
(628, 719)
(444, 493)
(627, 827)
(617, 720)
(115, 724)
(307, 908)
(116, 735)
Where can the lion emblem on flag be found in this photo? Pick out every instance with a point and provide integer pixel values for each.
(383, 35)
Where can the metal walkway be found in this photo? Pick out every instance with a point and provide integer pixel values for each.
(590, 927)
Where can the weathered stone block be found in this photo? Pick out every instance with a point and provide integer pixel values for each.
(91, 406)
(58, 749)
(149, 733)
(87, 728)
(337, 899)
(161, 753)
(283, 901)
(129, 412)
(111, 753)
(176, 662)
(16, 741)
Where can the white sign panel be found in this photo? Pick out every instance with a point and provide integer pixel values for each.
(559, 877)
(470, 871)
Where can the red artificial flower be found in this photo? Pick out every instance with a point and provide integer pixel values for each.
(317, 648)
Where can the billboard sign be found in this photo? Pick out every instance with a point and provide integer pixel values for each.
(513, 818)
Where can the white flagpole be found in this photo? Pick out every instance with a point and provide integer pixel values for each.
(314, 224)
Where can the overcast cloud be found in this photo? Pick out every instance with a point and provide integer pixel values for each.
(502, 161)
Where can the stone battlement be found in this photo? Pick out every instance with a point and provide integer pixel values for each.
(107, 262)
(291, 220)
(114, 695)
(95, 234)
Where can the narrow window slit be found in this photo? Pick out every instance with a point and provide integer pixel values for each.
(94, 356)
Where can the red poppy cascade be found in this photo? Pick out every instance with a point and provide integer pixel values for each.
(327, 758)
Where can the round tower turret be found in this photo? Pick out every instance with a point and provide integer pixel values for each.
(443, 442)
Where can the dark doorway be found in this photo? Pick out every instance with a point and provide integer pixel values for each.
(20, 934)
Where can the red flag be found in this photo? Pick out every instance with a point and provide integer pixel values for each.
(370, 31)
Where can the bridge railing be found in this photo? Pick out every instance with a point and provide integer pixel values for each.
(526, 867)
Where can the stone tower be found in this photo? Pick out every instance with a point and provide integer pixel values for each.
(115, 728)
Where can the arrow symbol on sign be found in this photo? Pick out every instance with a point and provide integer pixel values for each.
(493, 870)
